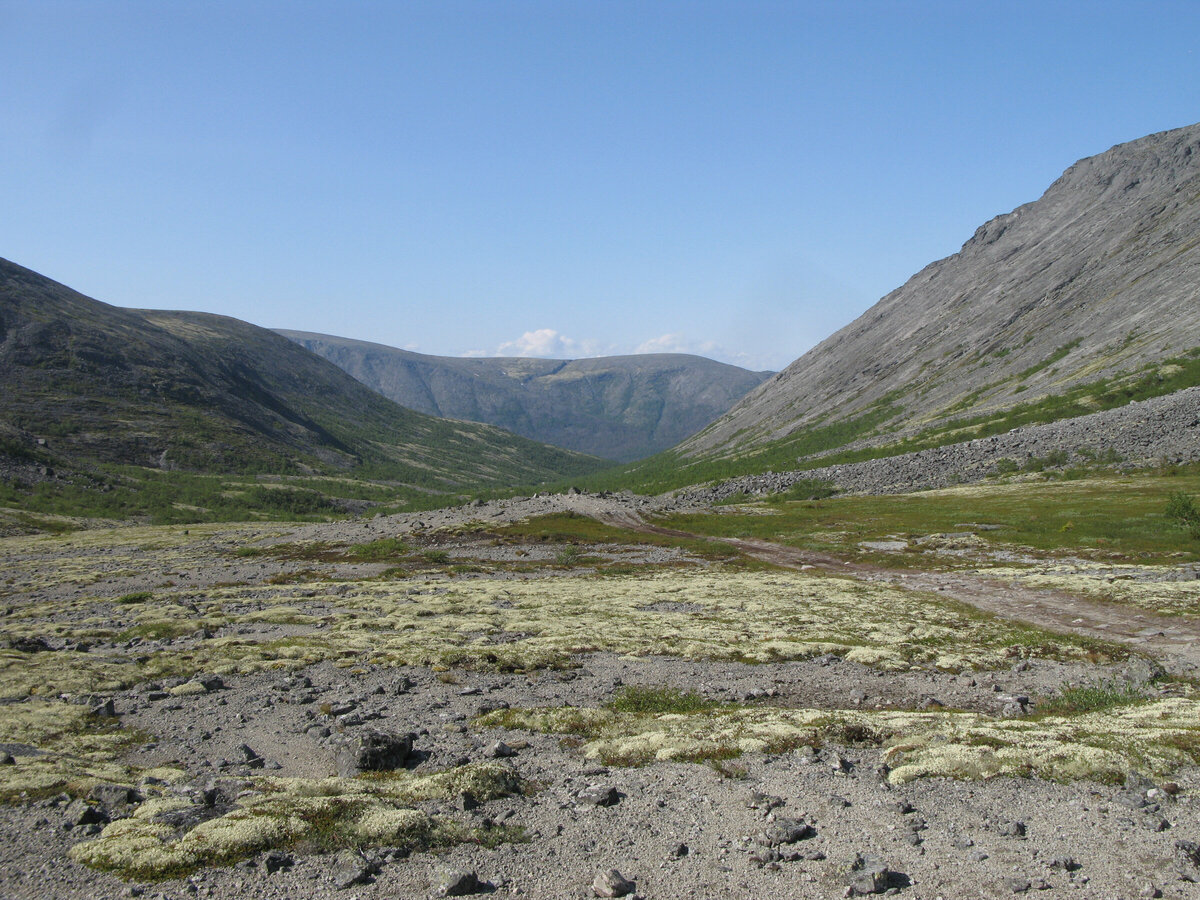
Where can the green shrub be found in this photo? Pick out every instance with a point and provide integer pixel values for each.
(135, 597)
(1182, 509)
(569, 555)
(808, 489)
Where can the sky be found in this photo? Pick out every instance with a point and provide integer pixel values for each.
(557, 178)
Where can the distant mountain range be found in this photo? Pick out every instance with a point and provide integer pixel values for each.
(1080, 300)
(89, 382)
(617, 407)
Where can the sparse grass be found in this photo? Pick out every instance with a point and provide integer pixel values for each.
(382, 549)
(1091, 698)
(661, 699)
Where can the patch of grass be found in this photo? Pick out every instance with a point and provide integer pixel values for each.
(569, 555)
(135, 597)
(1091, 698)
(381, 549)
(660, 699)
(807, 489)
(1113, 517)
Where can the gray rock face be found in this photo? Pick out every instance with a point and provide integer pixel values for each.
(616, 407)
(1098, 277)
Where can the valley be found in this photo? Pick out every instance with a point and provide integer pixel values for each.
(918, 615)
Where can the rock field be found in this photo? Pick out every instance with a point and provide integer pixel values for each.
(254, 711)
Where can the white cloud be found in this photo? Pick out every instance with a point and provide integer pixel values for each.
(675, 342)
(547, 343)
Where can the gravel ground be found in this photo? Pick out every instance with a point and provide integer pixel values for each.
(792, 825)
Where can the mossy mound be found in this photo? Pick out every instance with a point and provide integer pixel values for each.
(314, 814)
(1153, 737)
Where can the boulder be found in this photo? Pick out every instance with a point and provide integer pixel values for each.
(372, 751)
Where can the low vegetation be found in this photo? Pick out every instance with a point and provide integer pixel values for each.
(1117, 518)
(318, 815)
(1103, 744)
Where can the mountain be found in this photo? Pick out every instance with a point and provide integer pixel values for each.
(617, 407)
(1081, 300)
(206, 393)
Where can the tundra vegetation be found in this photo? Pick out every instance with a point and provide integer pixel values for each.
(564, 590)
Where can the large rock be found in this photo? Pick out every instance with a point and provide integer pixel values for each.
(372, 751)
(612, 883)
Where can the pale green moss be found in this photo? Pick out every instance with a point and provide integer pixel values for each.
(754, 617)
(1155, 737)
(76, 750)
(323, 813)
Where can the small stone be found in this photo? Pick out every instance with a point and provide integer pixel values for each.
(276, 860)
(786, 831)
(105, 710)
(600, 795)
(210, 682)
(612, 884)
(7, 759)
(679, 851)
(869, 875)
(500, 750)
(1187, 860)
(1012, 829)
(350, 868)
(457, 883)
(766, 802)
(80, 812)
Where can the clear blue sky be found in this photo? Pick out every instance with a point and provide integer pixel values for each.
(570, 178)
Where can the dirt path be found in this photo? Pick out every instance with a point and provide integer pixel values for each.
(1174, 641)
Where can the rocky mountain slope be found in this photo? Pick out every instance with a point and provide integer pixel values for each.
(88, 381)
(617, 407)
(1092, 287)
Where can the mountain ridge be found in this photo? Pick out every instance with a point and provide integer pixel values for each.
(616, 407)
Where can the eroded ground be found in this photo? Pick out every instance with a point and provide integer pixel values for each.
(707, 722)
